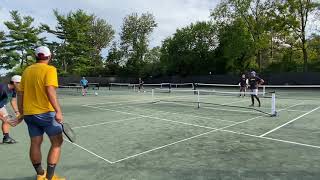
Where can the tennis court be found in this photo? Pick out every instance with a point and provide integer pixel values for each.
(123, 134)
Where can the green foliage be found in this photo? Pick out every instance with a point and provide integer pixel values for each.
(18, 46)
(293, 16)
(236, 47)
(134, 36)
(83, 38)
(190, 50)
(314, 52)
(254, 17)
(101, 35)
(151, 63)
(113, 64)
(269, 36)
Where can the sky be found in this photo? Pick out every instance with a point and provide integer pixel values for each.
(169, 14)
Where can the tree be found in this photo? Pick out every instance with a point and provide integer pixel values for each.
(253, 14)
(151, 62)
(236, 48)
(113, 64)
(101, 35)
(314, 51)
(2, 38)
(134, 36)
(21, 41)
(294, 15)
(190, 51)
(83, 38)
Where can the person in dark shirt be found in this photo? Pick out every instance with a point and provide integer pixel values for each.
(141, 82)
(254, 82)
(8, 93)
(194, 88)
(243, 83)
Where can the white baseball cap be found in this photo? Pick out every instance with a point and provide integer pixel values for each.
(43, 51)
(16, 78)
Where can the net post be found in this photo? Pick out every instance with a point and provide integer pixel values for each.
(273, 104)
(198, 98)
(264, 90)
(134, 88)
(152, 94)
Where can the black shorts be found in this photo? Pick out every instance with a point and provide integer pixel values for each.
(243, 88)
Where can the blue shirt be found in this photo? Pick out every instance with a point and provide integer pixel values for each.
(6, 94)
(83, 82)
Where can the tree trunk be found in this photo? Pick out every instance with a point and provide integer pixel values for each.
(65, 65)
(259, 59)
(304, 17)
(22, 59)
(305, 56)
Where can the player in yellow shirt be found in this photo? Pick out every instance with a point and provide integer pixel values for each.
(38, 103)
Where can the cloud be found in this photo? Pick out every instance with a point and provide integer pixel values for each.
(169, 14)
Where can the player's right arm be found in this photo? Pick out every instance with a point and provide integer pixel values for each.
(51, 83)
(52, 96)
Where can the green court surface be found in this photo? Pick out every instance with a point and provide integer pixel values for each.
(123, 135)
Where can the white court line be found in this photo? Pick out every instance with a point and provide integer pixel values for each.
(213, 108)
(299, 117)
(157, 148)
(179, 122)
(145, 102)
(167, 112)
(140, 100)
(65, 98)
(214, 130)
(285, 109)
(118, 102)
(234, 102)
(292, 110)
(152, 117)
(109, 122)
(273, 139)
(90, 152)
(161, 147)
(173, 142)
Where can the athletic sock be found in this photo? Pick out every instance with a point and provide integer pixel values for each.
(258, 100)
(6, 135)
(50, 171)
(252, 99)
(38, 169)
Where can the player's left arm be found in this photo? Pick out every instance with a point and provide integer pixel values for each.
(261, 81)
(17, 104)
(14, 105)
